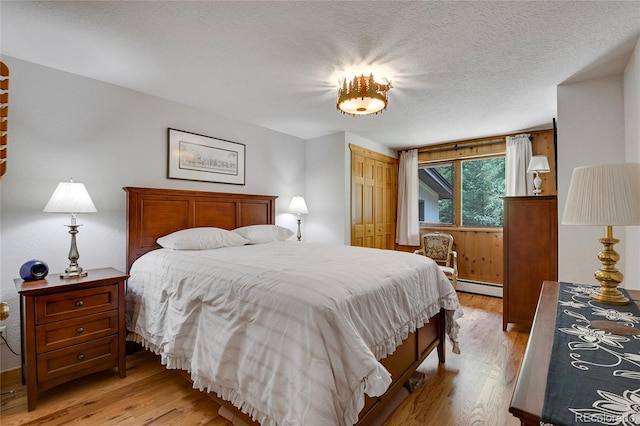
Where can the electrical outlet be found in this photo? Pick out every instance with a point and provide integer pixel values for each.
(3, 333)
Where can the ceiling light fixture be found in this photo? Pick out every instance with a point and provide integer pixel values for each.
(362, 96)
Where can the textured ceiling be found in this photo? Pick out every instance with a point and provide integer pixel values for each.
(459, 69)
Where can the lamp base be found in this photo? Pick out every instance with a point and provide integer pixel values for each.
(609, 296)
(608, 276)
(74, 270)
(68, 274)
(537, 181)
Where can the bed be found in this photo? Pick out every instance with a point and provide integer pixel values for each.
(323, 332)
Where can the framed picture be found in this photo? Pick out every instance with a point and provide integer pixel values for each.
(204, 158)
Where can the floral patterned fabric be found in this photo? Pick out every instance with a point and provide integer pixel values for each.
(437, 247)
(594, 376)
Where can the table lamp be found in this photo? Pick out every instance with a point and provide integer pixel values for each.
(605, 195)
(538, 164)
(71, 197)
(298, 206)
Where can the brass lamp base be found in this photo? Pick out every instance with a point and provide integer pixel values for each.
(608, 276)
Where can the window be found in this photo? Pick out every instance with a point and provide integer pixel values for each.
(483, 186)
(436, 193)
(473, 198)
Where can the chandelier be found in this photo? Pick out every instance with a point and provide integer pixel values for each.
(362, 96)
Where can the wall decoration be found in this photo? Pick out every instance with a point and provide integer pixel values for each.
(205, 158)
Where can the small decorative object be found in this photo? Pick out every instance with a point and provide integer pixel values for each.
(4, 311)
(34, 270)
(538, 164)
(203, 158)
(298, 206)
(605, 195)
(71, 197)
(362, 96)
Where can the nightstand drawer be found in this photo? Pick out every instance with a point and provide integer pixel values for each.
(58, 335)
(77, 358)
(73, 304)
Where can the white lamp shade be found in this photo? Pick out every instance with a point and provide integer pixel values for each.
(298, 206)
(538, 163)
(70, 197)
(607, 194)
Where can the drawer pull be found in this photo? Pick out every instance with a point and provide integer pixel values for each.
(80, 357)
(79, 303)
(80, 330)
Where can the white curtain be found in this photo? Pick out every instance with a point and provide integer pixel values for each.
(408, 224)
(518, 182)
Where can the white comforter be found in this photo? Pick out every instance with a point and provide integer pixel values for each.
(289, 332)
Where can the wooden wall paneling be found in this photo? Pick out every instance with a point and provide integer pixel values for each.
(480, 252)
(4, 116)
(543, 144)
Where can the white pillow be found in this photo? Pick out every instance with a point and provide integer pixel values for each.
(257, 234)
(201, 239)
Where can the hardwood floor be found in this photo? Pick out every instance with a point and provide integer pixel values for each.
(473, 388)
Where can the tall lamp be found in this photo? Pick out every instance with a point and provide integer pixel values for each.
(606, 195)
(538, 164)
(71, 197)
(298, 206)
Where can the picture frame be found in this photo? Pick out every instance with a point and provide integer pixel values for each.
(205, 158)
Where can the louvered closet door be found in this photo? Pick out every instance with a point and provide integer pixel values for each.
(373, 199)
(362, 201)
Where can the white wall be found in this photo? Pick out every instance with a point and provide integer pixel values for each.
(329, 185)
(62, 126)
(326, 193)
(591, 130)
(632, 154)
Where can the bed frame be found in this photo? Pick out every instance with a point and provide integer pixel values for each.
(152, 213)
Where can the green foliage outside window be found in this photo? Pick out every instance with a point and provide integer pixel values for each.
(483, 186)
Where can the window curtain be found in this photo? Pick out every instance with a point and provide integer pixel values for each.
(517, 160)
(408, 224)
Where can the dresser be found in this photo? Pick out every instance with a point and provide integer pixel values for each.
(530, 242)
(71, 328)
(528, 395)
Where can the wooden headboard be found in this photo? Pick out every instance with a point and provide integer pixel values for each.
(153, 213)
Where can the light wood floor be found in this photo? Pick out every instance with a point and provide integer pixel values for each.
(473, 388)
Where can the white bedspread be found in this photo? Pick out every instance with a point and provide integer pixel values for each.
(288, 332)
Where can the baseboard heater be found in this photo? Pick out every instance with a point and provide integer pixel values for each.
(476, 287)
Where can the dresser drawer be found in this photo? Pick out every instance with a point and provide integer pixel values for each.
(76, 303)
(61, 334)
(77, 358)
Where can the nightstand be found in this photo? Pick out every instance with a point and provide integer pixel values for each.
(71, 328)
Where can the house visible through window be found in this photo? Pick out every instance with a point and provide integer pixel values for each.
(436, 193)
(480, 184)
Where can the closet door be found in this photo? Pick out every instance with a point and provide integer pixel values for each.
(373, 199)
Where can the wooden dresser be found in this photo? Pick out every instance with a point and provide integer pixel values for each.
(530, 241)
(528, 396)
(71, 328)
